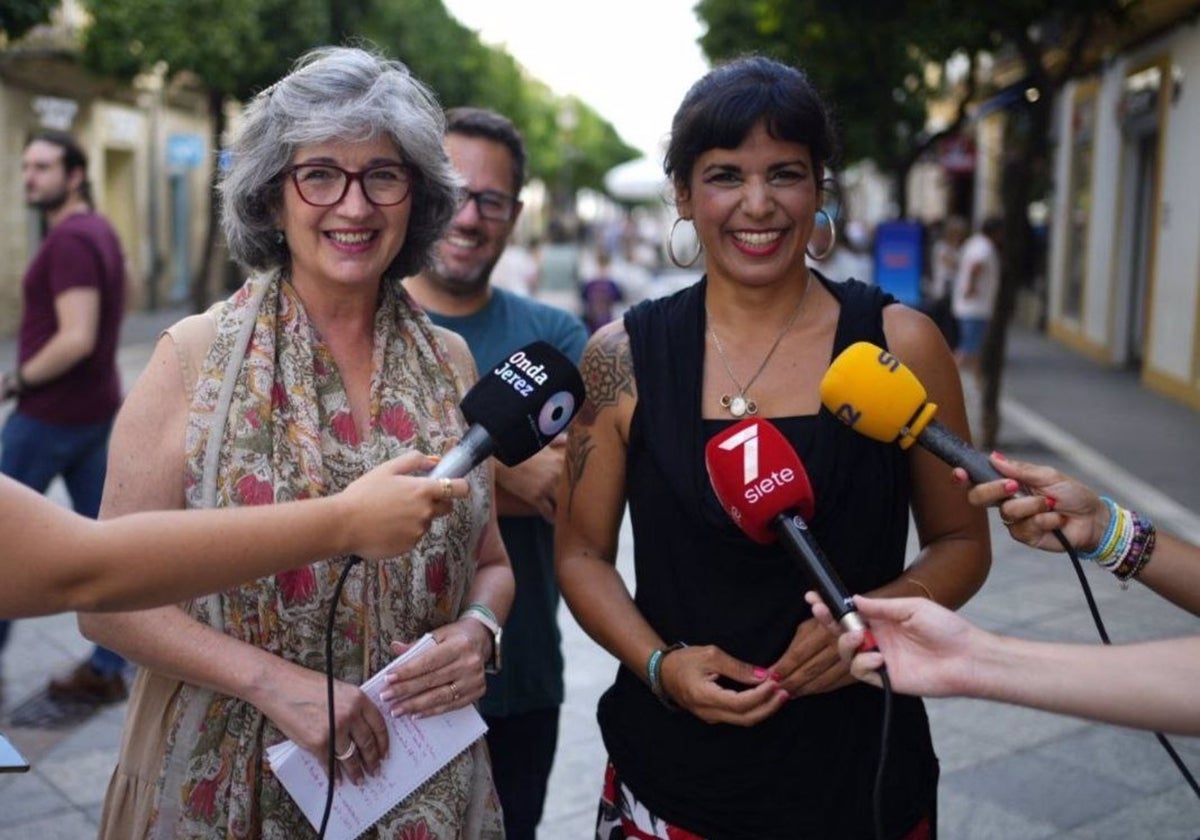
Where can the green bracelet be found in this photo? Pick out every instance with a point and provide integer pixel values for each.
(654, 674)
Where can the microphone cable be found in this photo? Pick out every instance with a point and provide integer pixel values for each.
(332, 764)
(884, 737)
(1091, 602)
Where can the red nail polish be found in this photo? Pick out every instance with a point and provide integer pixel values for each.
(1051, 502)
(1011, 486)
(776, 677)
(999, 456)
(760, 674)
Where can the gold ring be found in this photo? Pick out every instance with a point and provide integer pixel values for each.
(1007, 522)
(447, 489)
(350, 751)
(453, 691)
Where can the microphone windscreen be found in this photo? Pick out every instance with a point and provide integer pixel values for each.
(757, 475)
(868, 389)
(525, 401)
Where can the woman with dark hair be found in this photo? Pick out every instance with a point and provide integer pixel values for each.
(317, 369)
(728, 688)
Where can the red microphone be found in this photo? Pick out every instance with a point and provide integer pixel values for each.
(759, 480)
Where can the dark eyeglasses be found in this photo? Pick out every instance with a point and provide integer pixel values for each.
(492, 205)
(324, 185)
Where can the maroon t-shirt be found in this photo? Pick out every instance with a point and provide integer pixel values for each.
(81, 251)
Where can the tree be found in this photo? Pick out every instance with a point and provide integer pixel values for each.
(867, 59)
(232, 47)
(870, 59)
(1050, 44)
(19, 16)
(453, 61)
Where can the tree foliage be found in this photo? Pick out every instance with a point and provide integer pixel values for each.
(235, 48)
(19, 16)
(870, 58)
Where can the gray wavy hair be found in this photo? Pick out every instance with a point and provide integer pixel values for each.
(337, 93)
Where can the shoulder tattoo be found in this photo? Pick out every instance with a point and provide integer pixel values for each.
(607, 369)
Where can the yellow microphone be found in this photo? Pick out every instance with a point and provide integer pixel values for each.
(869, 390)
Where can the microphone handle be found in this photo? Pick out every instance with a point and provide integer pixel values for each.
(957, 452)
(475, 448)
(795, 536)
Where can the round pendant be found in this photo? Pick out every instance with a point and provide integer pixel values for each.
(738, 406)
(751, 407)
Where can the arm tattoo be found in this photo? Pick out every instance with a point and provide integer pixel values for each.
(607, 368)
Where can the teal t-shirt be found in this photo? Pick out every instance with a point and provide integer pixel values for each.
(531, 678)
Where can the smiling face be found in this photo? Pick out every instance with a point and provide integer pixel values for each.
(467, 253)
(350, 243)
(753, 208)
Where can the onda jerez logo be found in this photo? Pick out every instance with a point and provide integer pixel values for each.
(516, 364)
(755, 488)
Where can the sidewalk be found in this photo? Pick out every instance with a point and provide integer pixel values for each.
(1006, 772)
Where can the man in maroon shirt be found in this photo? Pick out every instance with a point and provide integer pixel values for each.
(66, 381)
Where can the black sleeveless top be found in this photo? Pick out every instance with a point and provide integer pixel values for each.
(808, 771)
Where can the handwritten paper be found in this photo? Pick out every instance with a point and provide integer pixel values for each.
(417, 748)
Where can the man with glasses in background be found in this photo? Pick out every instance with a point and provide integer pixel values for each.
(522, 702)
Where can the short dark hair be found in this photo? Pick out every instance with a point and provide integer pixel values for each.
(74, 157)
(480, 122)
(720, 109)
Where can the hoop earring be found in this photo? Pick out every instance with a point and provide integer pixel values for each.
(671, 247)
(832, 237)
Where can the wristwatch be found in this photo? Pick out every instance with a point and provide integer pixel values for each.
(488, 619)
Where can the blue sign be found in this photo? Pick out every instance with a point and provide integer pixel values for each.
(185, 151)
(898, 260)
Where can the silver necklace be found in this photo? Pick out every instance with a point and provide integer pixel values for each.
(739, 404)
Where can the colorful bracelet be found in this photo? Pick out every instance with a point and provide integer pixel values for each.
(1113, 520)
(1141, 548)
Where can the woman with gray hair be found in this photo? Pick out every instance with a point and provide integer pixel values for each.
(317, 369)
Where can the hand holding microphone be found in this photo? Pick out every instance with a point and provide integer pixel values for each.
(515, 409)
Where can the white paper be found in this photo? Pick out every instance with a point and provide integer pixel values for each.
(417, 748)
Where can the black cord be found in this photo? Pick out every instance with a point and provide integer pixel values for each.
(337, 597)
(1091, 602)
(884, 738)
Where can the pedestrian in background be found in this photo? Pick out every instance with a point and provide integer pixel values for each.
(523, 696)
(943, 271)
(319, 368)
(600, 294)
(975, 285)
(933, 652)
(66, 382)
(732, 714)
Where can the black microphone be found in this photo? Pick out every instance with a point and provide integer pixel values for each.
(761, 483)
(515, 409)
(869, 390)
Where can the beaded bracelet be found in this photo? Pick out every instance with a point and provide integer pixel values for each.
(1141, 547)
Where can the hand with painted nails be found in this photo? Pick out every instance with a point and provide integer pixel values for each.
(701, 678)
(1053, 501)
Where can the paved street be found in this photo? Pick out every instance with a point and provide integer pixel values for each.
(1006, 773)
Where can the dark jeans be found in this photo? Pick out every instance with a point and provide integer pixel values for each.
(35, 453)
(522, 750)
